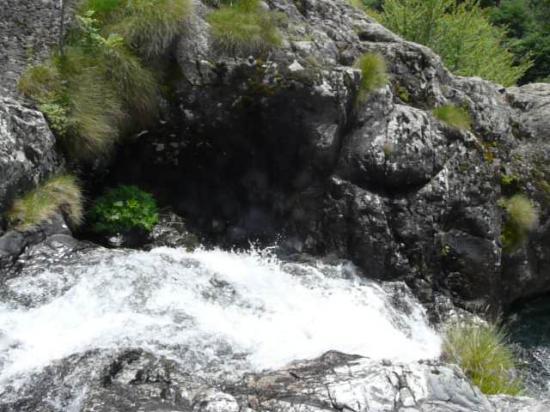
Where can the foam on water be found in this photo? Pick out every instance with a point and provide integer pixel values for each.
(245, 308)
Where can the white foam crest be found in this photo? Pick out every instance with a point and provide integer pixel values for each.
(169, 300)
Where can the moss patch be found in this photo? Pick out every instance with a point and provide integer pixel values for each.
(454, 116)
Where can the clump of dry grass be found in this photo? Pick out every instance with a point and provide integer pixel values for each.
(60, 193)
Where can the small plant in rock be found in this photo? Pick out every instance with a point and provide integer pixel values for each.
(482, 353)
(522, 217)
(124, 209)
(454, 116)
(374, 73)
(245, 27)
(58, 194)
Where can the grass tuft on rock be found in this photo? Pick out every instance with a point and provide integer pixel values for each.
(91, 90)
(245, 27)
(149, 26)
(454, 116)
(522, 217)
(60, 193)
(374, 73)
(484, 356)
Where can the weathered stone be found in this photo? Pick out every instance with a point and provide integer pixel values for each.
(27, 150)
(138, 380)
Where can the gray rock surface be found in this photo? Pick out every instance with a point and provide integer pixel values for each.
(28, 31)
(27, 150)
(133, 380)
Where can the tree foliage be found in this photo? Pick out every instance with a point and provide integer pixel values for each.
(460, 32)
(528, 28)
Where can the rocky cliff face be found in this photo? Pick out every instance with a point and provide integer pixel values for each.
(257, 146)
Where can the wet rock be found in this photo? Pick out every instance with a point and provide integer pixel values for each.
(19, 246)
(137, 380)
(171, 231)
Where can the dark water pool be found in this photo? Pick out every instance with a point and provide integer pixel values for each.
(529, 328)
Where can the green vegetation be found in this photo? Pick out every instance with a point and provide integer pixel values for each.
(245, 27)
(122, 209)
(528, 33)
(61, 193)
(482, 353)
(149, 26)
(90, 90)
(402, 93)
(461, 33)
(454, 116)
(374, 74)
(522, 217)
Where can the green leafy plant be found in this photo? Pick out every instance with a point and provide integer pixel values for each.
(454, 116)
(245, 27)
(374, 73)
(460, 32)
(482, 353)
(123, 209)
(60, 193)
(522, 217)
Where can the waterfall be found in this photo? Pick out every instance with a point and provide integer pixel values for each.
(231, 311)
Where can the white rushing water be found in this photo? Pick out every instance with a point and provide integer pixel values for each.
(242, 310)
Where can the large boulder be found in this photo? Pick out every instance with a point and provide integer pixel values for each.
(27, 150)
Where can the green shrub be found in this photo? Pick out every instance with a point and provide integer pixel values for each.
(122, 209)
(482, 353)
(373, 73)
(454, 116)
(245, 27)
(61, 193)
(460, 32)
(522, 217)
